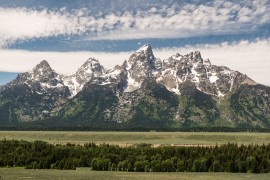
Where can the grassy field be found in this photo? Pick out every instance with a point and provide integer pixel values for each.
(86, 173)
(127, 138)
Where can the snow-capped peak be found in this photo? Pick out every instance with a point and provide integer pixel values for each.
(41, 67)
(42, 79)
(143, 57)
(140, 66)
(90, 66)
(146, 47)
(43, 63)
(41, 72)
(88, 71)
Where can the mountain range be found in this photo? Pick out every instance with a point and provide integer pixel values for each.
(179, 92)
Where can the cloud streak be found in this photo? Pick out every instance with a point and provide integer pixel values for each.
(251, 58)
(217, 17)
(24, 24)
(63, 62)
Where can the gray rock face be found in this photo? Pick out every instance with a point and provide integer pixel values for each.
(139, 67)
(88, 71)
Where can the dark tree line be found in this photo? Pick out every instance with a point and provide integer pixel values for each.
(140, 158)
(51, 125)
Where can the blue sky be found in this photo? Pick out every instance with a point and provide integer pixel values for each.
(67, 32)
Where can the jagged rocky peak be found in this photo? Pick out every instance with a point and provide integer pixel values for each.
(139, 67)
(43, 64)
(92, 65)
(196, 55)
(145, 49)
(90, 70)
(143, 57)
(43, 80)
(42, 71)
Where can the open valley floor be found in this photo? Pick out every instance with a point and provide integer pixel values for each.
(129, 138)
(86, 173)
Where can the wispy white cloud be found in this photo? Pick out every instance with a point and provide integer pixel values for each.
(24, 24)
(216, 17)
(63, 62)
(251, 58)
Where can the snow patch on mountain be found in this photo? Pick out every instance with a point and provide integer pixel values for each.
(213, 78)
(132, 84)
(110, 77)
(88, 71)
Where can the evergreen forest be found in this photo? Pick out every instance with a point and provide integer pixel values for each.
(230, 157)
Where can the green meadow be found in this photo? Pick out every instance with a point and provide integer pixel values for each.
(127, 138)
(87, 173)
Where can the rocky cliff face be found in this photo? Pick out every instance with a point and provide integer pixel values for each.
(88, 71)
(181, 91)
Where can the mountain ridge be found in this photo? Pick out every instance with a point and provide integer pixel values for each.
(180, 91)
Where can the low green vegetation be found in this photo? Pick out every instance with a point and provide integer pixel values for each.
(137, 158)
(87, 173)
(128, 138)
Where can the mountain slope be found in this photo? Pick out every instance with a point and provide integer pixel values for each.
(251, 105)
